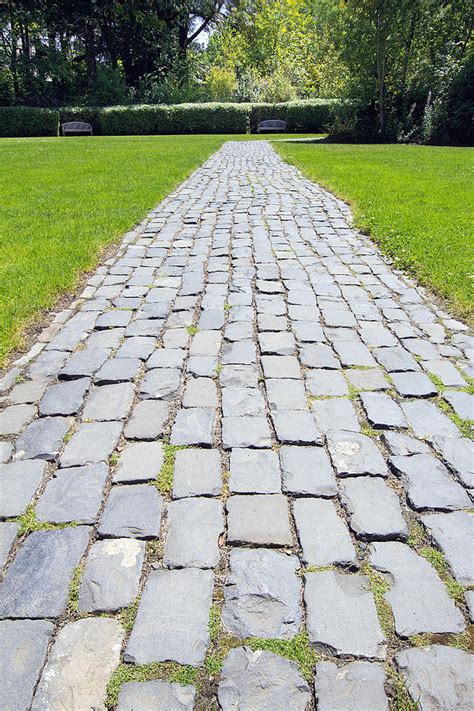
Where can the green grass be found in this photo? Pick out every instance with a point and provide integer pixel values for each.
(416, 201)
(64, 200)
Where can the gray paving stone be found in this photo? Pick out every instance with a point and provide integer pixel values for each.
(6, 450)
(43, 438)
(335, 414)
(428, 483)
(239, 353)
(248, 431)
(269, 322)
(242, 402)
(318, 355)
(29, 391)
(14, 418)
(286, 394)
(402, 445)
(84, 655)
(277, 343)
(355, 454)
(111, 575)
(254, 471)
(281, 367)
(202, 366)
(114, 318)
(382, 411)
(83, 364)
(260, 520)
(358, 685)
(261, 680)
(446, 372)
(307, 332)
(458, 453)
(413, 384)
(419, 600)
(262, 594)
(148, 420)
(461, 402)
(377, 336)
(155, 696)
(454, 535)
(167, 358)
(23, 646)
(352, 353)
(396, 359)
(209, 342)
(438, 677)
(132, 512)
(161, 384)
(73, 495)
(194, 426)
(427, 421)
(245, 376)
(383, 521)
(194, 528)
(136, 347)
(172, 620)
(109, 402)
(8, 534)
(197, 472)
(139, 462)
(64, 398)
(18, 484)
(92, 443)
(323, 535)
(296, 427)
(341, 615)
(322, 383)
(307, 471)
(200, 392)
(36, 583)
(117, 370)
(370, 379)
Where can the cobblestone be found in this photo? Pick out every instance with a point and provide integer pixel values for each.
(247, 320)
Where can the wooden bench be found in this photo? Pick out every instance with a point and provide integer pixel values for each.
(76, 127)
(273, 125)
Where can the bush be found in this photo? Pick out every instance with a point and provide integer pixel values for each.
(16, 121)
(312, 116)
(135, 120)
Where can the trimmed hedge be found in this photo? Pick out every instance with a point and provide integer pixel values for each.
(89, 114)
(310, 116)
(19, 121)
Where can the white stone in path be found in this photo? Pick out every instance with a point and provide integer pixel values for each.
(84, 656)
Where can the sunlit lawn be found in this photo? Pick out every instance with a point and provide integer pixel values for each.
(416, 201)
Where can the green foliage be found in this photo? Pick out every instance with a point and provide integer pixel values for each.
(19, 121)
(436, 558)
(164, 480)
(296, 649)
(89, 114)
(170, 671)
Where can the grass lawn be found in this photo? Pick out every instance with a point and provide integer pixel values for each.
(416, 201)
(63, 200)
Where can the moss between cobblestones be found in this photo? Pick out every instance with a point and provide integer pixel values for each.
(402, 699)
(368, 431)
(127, 615)
(164, 480)
(169, 671)
(192, 330)
(74, 588)
(297, 650)
(436, 558)
(379, 586)
(417, 535)
(466, 427)
(459, 641)
(29, 523)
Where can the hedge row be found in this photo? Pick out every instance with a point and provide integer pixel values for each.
(301, 117)
(18, 121)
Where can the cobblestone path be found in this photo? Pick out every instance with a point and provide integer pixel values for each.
(234, 472)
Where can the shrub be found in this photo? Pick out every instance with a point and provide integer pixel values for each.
(19, 121)
(135, 120)
(311, 116)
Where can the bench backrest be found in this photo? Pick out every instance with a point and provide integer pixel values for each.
(76, 126)
(272, 123)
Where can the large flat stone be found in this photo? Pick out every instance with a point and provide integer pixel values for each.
(381, 522)
(139, 462)
(64, 398)
(341, 615)
(14, 418)
(8, 534)
(36, 582)
(109, 402)
(427, 421)
(155, 696)
(194, 528)
(18, 483)
(419, 600)
(428, 483)
(43, 438)
(382, 411)
(197, 472)
(148, 420)
(73, 495)
(358, 686)
(84, 655)
(323, 535)
(254, 471)
(262, 594)
(355, 454)
(111, 575)
(194, 425)
(458, 453)
(161, 384)
(245, 432)
(92, 443)
(454, 534)
(296, 427)
(307, 471)
(438, 677)
(335, 413)
(23, 645)
(172, 619)
(132, 512)
(260, 520)
(261, 680)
